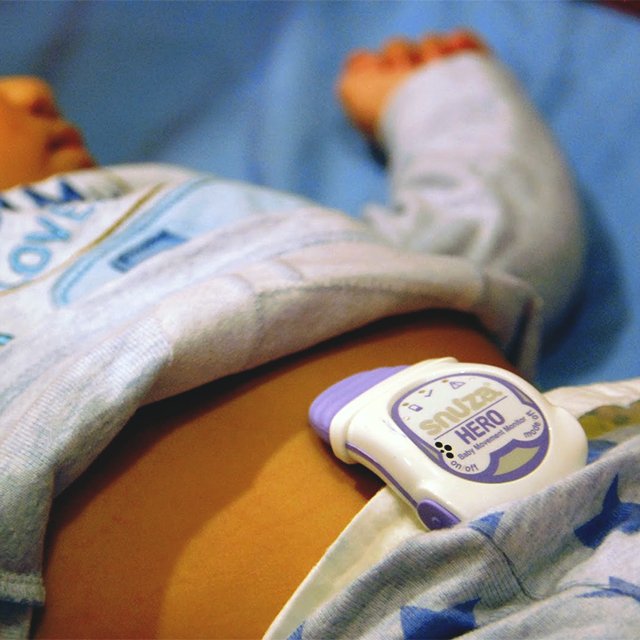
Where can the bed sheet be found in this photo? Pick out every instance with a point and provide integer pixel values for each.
(245, 90)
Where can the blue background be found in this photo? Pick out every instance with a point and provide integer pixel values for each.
(245, 90)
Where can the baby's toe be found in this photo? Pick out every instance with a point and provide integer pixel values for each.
(361, 59)
(399, 53)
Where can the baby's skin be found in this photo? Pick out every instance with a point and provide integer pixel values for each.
(35, 139)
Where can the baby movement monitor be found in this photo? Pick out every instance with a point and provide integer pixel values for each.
(452, 439)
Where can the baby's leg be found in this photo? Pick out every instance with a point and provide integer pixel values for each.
(474, 171)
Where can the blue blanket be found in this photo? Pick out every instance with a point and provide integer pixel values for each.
(245, 90)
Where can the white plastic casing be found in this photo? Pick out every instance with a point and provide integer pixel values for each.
(456, 439)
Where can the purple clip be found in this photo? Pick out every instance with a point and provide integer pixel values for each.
(329, 402)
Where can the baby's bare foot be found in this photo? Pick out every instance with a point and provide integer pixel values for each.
(369, 79)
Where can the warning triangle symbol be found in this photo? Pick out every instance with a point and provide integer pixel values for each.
(456, 384)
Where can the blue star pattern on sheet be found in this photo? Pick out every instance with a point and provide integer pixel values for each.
(488, 524)
(617, 588)
(624, 516)
(422, 623)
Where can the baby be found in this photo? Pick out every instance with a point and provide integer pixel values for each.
(131, 284)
